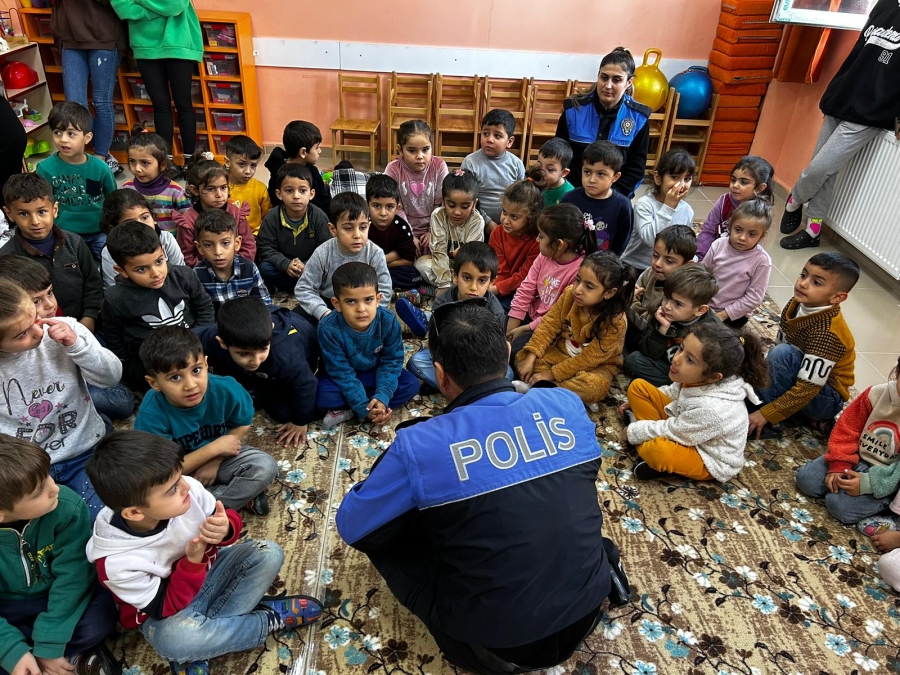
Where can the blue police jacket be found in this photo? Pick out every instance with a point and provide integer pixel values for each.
(499, 492)
(583, 121)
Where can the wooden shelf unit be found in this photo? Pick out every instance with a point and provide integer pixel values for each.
(35, 25)
(693, 134)
(38, 94)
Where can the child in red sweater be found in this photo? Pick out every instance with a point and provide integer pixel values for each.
(515, 241)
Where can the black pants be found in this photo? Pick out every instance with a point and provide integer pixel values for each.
(98, 620)
(159, 75)
(12, 144)
(412, 580)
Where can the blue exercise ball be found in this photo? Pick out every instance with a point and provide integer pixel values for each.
(695, 89)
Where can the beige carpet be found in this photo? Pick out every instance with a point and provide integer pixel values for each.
(743, 578)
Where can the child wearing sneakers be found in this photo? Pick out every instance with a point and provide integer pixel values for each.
(362, 347)
(474, 270)
(207, 415)
(169, 552)
(859, 474)
(390, 232)
(350, 243)
(53, 615)
(811, 367)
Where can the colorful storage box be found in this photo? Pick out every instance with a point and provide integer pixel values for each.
(221, 65)
(224, 92)
(138, 89)
(202, 143)
(220, 34)
(144, 116)
(228, 121)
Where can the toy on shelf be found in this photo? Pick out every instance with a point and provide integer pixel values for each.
(695, 89)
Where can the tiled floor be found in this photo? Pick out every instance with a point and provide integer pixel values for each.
(872, 310)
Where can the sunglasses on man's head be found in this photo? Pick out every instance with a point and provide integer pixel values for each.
(440, 313)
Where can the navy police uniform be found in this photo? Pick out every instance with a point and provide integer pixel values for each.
(585, 120)
(485, 523)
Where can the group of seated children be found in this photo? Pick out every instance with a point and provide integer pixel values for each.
(183, 295)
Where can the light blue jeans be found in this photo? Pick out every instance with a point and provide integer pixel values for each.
(223, 617)
(116, 403)
(846, 508)
(100, 65)
(784, 361)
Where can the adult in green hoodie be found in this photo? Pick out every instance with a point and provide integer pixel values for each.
(50, 603)
(166, 40)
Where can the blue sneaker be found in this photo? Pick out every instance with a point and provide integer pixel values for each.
(194, 668)
(291, 611)
(413, 317)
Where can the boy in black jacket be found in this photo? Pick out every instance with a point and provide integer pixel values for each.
(302, 143)
(76, 280)
(272, 352)
(147, 294)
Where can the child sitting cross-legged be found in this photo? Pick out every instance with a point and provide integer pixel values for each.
(578, 344)
(350, 227)
(169, 552)
(696, 427)
(53, 615)
(674, 247)
(390, 232)
(147, 294)
(31, 206)
(811, 367)
(474, 270)
(291, 231)
(272, 352)
(685, 304)
(859, 473)
(115, 402)
(46, 367)
(207, 415)
(224, 273)
(362, 347)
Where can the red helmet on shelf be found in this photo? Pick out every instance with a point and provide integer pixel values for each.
(17, 75)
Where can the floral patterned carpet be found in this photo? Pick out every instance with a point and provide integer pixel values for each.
(743, 578)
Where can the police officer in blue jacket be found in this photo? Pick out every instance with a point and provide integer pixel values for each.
(607, 113)
(484, 521)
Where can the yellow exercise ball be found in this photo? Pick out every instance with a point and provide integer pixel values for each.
(650, 84)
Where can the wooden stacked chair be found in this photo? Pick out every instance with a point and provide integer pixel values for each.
(346, 132)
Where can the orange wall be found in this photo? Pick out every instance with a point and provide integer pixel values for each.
(683, 29)
(790, 119)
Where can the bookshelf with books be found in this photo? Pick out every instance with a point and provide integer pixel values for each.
(224, 87)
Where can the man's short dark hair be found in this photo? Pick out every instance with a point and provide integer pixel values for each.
(293, 170)
(127, 465)
(298, 135)
(468, 342)
(25, 467)
(479, 254)
(214, 221)
(844, 268)
(245, 323)
(242, 146)
(498, 117)
(605, 153)
(169, 348)
(68, 113)
(26, 272)
(353, 275)
(351, 203)
(26, 187)
(680, 240)
(131, 238)
(382, 186)
(558, 149)
(694, 282)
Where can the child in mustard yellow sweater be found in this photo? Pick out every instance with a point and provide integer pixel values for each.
(578, 344)
(242, 156)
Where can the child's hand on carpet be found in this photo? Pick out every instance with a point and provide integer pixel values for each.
(622, 408)
(886, 541)
(757, 422)
(291, 434)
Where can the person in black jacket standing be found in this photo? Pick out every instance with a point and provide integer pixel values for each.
(608, 113)
(484, 521)
(13, 140)
(862, 99)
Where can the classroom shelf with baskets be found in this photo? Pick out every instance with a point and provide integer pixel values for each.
(32, 100)
(224, 88)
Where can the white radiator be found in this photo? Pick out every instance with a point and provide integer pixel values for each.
(866, 206)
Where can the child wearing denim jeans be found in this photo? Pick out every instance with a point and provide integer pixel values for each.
(169, 552)
(207, 415)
